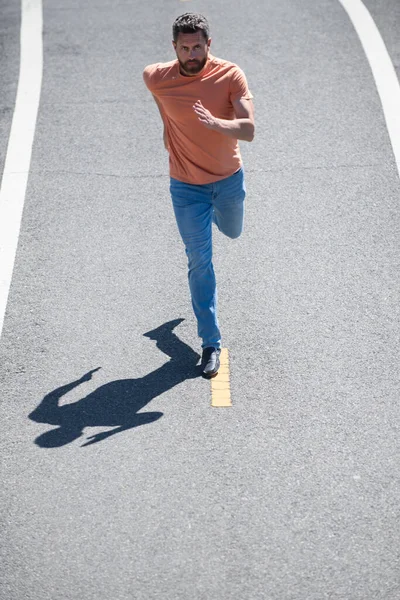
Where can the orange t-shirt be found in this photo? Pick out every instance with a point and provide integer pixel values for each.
(198, 155)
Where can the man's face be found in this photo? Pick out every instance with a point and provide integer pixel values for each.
(192, 51)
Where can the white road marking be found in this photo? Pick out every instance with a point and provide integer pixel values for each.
(382, 69)
(19, 150)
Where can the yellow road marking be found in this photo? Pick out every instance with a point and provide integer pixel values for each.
(220, 386)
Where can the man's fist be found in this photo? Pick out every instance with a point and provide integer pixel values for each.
(204, 115)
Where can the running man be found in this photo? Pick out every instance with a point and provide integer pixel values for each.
(206, 107)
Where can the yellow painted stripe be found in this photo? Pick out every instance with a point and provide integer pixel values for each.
(220, 386)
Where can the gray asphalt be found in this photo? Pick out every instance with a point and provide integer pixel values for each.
(293, 493)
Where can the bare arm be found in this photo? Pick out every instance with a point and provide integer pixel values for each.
(240, 128)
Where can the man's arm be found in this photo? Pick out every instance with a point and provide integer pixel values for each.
(240, 128)
(165, 136)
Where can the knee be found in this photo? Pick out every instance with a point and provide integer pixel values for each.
(231, 230)
(233, 234)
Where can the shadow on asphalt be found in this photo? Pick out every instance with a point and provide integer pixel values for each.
(116, 404)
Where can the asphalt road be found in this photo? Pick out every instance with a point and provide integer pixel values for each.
(125, 484)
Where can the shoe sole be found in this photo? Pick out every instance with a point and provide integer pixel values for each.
(209, 375)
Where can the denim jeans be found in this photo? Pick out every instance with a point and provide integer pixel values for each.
(196, 207)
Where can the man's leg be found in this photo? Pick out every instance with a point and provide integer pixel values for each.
(193, 211)
(228, 202)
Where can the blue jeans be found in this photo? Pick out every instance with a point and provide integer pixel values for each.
(196, 207)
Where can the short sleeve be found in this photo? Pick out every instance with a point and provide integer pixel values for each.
(149, 77)
(238, 86)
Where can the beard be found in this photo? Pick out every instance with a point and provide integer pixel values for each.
(195, 67)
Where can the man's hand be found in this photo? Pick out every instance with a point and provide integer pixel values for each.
(240, 128)
(205, 116)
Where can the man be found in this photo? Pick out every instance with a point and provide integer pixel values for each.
(206, 107)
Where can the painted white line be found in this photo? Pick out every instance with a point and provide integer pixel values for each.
(382, 69)
(19, 150)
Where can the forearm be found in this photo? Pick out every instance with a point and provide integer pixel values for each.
(240, 129)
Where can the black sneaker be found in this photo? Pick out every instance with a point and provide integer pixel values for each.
(210, 362)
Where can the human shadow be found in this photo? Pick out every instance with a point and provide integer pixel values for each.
(116, 404)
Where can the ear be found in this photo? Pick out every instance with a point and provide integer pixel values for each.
(174, 44)
(208, 42)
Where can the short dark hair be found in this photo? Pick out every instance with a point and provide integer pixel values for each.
(190, 23)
